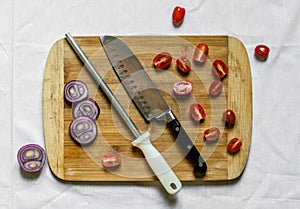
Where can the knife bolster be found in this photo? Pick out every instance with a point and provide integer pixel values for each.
(168, 117)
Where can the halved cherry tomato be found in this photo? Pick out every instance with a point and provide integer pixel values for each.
(183, 64)
(182, 87)
(234, 145)
(201, 53)
(212, 134)
(220, 69)
(262, 52)
(229, 118)
(215, 88)
(178, 16)
(162, 60)
(111, 161)
(197, 112)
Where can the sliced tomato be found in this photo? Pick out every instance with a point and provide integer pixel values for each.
(162, 60)
(111, 161)
(178, 15)
(215, 88)
(201, 53)
(229, 118)
(212, 134)
(220, 69)
(197, 112)
(183, 64)
(182, 88)
(234, 145)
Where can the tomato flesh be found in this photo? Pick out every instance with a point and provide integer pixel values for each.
(262, 52)
(229, 118)
(201, 53)
(183, 64)
(215, 88)
(197, 112)
(234, 145)
(178, 15)
(111, 160)
(182, 88)
(162, 60)
(220, 69)
(212, 134)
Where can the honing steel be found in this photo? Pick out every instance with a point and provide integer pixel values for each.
(155, 160)
(147, 97)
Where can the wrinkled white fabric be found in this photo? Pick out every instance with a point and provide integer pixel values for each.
(272, 175)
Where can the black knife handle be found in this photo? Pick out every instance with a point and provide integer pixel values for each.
(188, 148)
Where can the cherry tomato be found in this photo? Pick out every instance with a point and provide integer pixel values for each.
(229, 118)
(212, 134)
(183, 64)
(220, 69)
(262, 52)
(215, 88)
(197, 112)
(111, 161)
(162, 60)
(178, 15)
(201, 53)
(234, 145)
(182, 88)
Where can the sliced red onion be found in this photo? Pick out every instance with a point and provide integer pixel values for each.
(75, 91)
(31, 157)
(88, 108)
(83, 130)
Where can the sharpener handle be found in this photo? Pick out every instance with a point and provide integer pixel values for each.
(158, 164)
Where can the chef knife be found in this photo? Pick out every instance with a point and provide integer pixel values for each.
(147, 97)
(155, 160)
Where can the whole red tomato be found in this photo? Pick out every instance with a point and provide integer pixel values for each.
(201, 53)
(178, 15)
(262, 52)
(197, 112)
(162, 60)
(183, 64)
(229, 118)
(220, 69)
(234, 145)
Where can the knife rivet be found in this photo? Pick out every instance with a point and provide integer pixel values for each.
(177, 129)
(189, 146)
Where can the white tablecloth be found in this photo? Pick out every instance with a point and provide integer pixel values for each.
(272, 175)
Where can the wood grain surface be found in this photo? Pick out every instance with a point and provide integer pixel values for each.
(71, 162)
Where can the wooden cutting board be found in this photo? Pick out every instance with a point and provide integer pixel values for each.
(69, 161)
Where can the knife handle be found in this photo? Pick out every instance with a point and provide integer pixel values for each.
(158, 164)
(188, 148)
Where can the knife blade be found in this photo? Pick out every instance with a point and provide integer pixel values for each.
(157, 163)
(147, 98)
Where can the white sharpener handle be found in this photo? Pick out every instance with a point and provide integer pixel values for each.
(158, 164)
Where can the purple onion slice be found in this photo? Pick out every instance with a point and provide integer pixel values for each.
(75, 91)
(88, 108)
(83, 130)
(31, 158)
